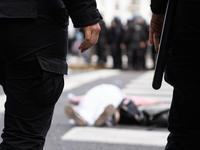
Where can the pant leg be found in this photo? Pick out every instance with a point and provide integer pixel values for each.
(140, 62)
(2, 72)
(31, 95)
(34, 52)
(32, 91)
(116, 54)
(183, 119)
(130, 57)
(182, 72)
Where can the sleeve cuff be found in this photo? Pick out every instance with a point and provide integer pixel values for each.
(86, 19)
(159, 8)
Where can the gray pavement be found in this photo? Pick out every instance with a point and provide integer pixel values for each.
(63, 136)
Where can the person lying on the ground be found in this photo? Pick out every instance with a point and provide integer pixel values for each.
(98, 104)
(105, 104)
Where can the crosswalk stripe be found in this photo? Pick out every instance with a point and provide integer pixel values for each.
(77, 80)
(2, 101)
(116, 136)
(141, 89)
(142, 86)
(145, 88)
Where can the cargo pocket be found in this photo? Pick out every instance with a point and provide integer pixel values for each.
(49, 83)
(52, 63)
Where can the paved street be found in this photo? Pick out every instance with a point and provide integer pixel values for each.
(63, 136)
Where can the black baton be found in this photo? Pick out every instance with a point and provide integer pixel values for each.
(164, 45)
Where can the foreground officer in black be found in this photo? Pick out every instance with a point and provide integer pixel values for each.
(182, 70)
(33, 48)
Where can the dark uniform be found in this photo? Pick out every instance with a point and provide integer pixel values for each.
(137, 33)
(182, 72)
(115, 39)
(101, 44)
(33, 48)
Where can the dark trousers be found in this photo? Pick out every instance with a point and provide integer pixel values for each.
(136, 57)
(183, 73)
(117, 55)
(32, 65)
(101, 52)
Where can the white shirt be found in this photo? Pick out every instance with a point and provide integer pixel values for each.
(97, 99)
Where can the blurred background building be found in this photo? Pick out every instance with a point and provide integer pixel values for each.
(124, 9)
(123, 40)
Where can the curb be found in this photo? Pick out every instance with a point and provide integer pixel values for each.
(87, 66)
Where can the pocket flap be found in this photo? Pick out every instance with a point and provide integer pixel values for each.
(52, 63)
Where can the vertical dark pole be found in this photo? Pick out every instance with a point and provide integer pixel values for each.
(164, 45)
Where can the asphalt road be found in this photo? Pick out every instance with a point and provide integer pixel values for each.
(63, 136)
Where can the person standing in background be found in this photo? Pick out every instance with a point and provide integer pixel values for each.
(115, 39)
(136, 41)
(101, 44)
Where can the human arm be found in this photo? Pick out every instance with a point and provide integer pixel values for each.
(158, 8)
(156, 25)
(91, 35)
(85, 15)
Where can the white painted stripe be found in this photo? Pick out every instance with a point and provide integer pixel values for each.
(165, 99)
(148, 82)
(139, 83)
(2, 101)
(116, 136)
(148, 87)
(148, 92)
(74, 81)
(142, 86)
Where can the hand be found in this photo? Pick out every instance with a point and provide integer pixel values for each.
(122, 46)
(142, 45)
(91, 35)
(156, 29)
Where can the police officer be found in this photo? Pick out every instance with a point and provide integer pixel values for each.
(182, 70)
(33, 48)
(135, 40)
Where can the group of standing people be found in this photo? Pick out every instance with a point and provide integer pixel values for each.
(131, 38)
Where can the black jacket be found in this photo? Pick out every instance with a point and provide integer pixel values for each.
(158, 6)
(82, 12)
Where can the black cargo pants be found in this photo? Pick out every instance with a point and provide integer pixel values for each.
(32, 65)
(183, 73)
